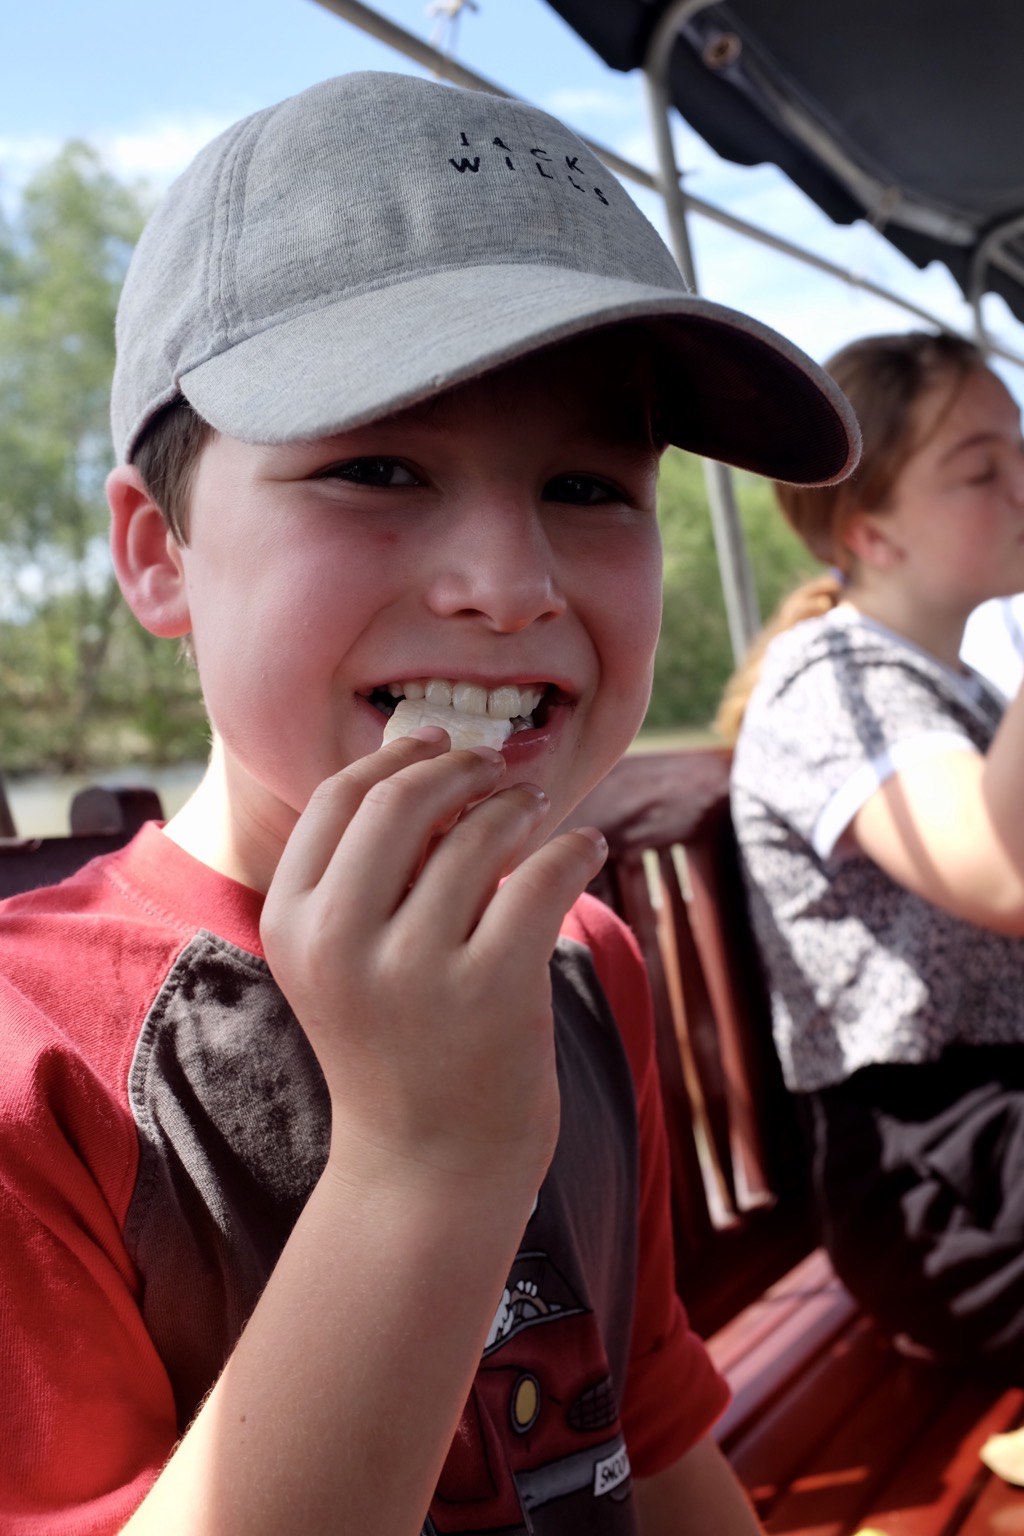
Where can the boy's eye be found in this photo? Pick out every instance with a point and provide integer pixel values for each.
(372, 470)
(582, 491)
(983, 476)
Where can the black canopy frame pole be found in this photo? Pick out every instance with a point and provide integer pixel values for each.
(741, 605)
(444, 67)
(992, 252)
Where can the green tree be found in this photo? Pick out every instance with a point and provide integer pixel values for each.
(694, 656)
(69, 651)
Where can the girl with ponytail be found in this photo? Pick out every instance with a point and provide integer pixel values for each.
(877, 798)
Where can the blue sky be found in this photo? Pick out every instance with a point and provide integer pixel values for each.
(148, 84)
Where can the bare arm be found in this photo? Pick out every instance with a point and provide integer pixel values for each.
(698, 1495)
(951, 829)
(410, 973)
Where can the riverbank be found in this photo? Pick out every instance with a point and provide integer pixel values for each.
(40, 802)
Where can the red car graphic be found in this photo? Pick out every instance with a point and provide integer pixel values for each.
(541, 1421)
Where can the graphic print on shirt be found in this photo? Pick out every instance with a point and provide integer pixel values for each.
(541, 1426)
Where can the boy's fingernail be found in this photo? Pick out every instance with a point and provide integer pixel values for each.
(429, 733)
(489, 755)
(598, 839)
(537, 793)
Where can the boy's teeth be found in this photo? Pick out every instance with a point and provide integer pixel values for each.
(464, 730)
(504, 703)
(471, 699)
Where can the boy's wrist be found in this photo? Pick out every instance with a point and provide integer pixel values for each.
(361, 1169)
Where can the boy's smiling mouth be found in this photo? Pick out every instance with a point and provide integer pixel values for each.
(524, 707)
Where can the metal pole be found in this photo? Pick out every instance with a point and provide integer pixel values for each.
(446, 68)
(741, 605)
(985, 255)
(417, 48)
(7, 827)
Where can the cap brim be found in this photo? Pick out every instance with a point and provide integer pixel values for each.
(734, 389)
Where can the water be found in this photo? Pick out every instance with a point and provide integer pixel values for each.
(40, 803)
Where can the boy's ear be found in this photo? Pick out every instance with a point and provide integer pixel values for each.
(147, 557)
(870, 538)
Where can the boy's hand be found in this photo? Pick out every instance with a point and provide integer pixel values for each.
(422, 986)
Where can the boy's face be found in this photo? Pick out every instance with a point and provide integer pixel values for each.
(502, 534)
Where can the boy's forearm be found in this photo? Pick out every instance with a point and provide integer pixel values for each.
(699, 1495)
(342, 1396)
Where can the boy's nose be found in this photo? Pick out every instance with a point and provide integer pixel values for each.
(502, 571)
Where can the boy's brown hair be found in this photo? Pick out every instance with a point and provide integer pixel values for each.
(166, 456)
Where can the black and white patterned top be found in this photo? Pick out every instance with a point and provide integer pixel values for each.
(861, 969)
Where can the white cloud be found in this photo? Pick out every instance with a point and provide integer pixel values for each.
(21, 158)
(159, 151)
(154, 152)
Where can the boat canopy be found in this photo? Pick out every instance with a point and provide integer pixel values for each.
(906, 113)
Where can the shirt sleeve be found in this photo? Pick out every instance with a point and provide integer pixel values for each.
(856, 790)
(832, 720)
(86, 1410)
(674, 1393)
(993, 643)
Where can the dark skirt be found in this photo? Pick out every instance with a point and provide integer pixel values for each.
(920, 1175)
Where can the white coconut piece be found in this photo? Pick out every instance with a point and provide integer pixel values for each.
(465, 730)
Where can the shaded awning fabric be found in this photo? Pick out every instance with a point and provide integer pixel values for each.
(908, 113)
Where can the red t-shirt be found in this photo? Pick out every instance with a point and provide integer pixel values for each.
(162, 1122)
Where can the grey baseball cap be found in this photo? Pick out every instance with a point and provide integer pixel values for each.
(379, 238)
